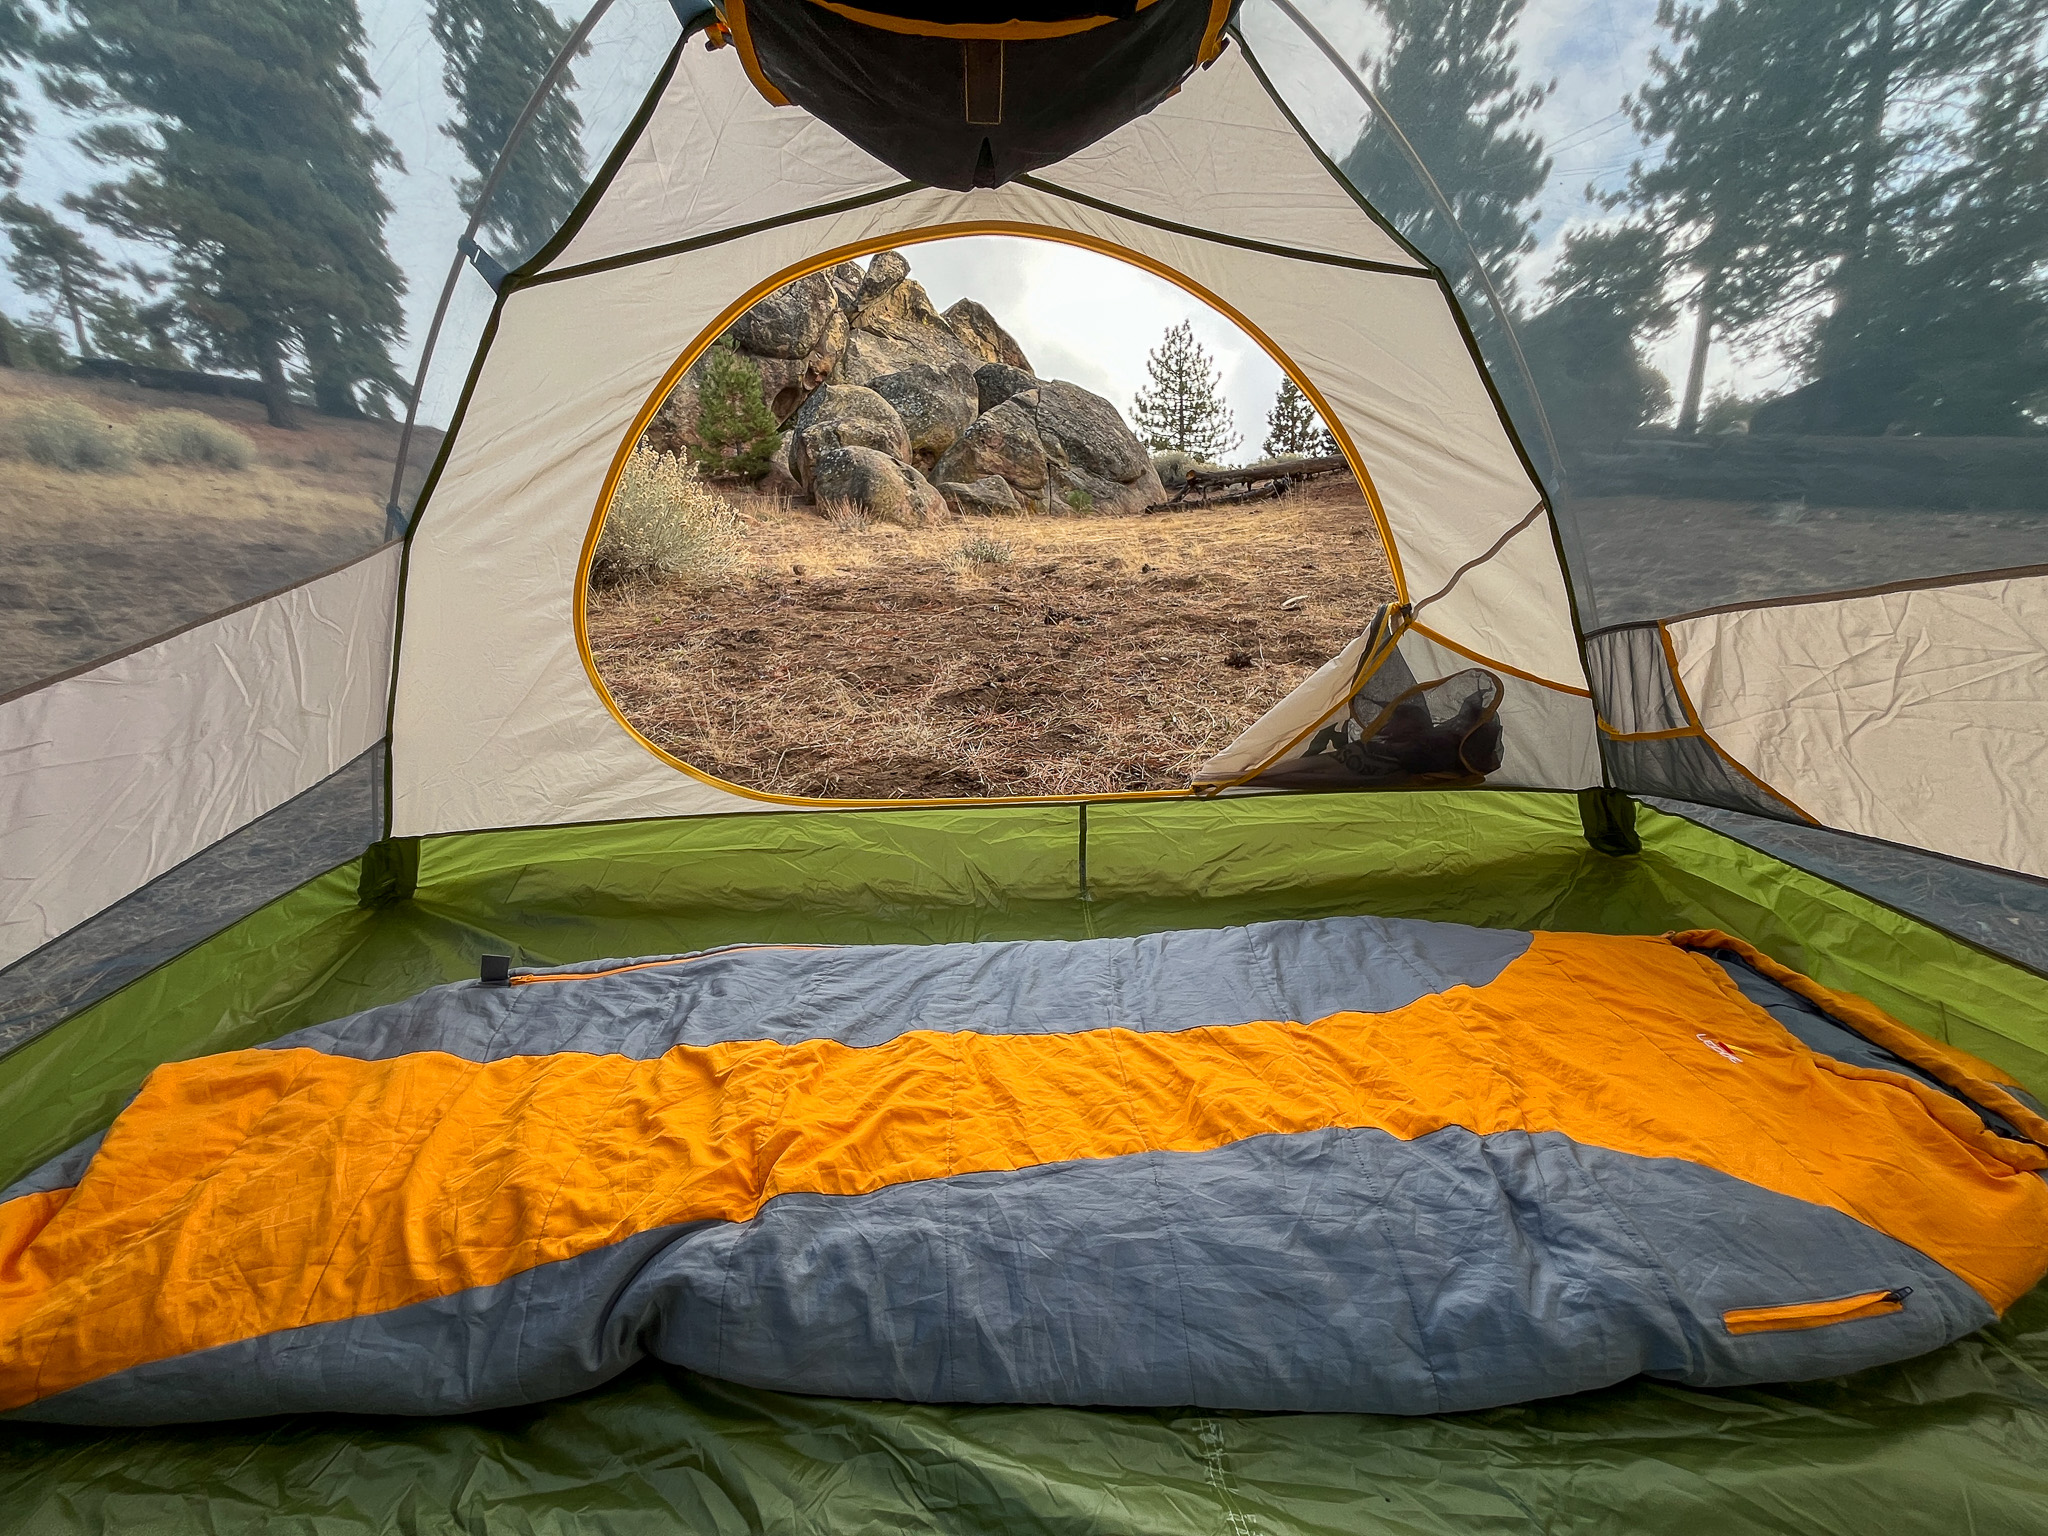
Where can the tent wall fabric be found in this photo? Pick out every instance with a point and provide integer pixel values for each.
(1914, 715)
(112, 776)
(500, 720)
(310, 834)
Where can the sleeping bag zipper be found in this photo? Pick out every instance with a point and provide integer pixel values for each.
(1815, 1314)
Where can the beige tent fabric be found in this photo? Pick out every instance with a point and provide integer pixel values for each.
(115, 775)
(714, 156)
(1280, 732)
(497, 722)
(1917, 716)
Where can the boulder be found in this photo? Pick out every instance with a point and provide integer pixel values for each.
(885, 273)
(895, 325)
(979, 333)
(780, 479)
(791, 321)
(1060, 448)
(936, 407)
(847, 278)
(990, 496)
(1002, 442)
(1094, 461)
(876, 484)
(843, 416)
(1087, 432)
(674, 427)
(1068, 489)
(996, 382)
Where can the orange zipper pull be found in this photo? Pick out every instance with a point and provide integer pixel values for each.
(1815, 1314)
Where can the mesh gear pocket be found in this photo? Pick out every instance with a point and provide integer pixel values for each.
(1445, 729)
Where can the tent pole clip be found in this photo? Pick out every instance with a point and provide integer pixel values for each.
(488, 267)
(495, 971)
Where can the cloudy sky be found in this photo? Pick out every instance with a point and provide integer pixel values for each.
(1079, 316)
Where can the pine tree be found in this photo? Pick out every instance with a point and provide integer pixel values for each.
(1915, 345)
(1449, 77)
(1937, 111)
(1742, 192)
(1294, 428)
(739, 432)
(494, 53)
(255, 167)
(53, 262)
(138, 330)
(1584, 347)
(18, 34)
(1184, 408)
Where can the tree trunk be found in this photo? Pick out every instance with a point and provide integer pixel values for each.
(333, 389)
(1877, 90)
(1851, 278)
(1702, 337)
(77, 322)
(277, 394)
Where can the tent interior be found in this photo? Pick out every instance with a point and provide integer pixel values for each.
(1784, 681)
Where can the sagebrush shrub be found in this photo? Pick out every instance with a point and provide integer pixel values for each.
(666, 524)
(980, 549)
(190, 437)
(67, 435)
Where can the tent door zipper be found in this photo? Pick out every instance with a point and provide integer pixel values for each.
(1815, 1314)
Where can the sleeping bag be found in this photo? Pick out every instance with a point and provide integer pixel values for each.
(1353, 1164)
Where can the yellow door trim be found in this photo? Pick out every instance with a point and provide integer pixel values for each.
(819, 263)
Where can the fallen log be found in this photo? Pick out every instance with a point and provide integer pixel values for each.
(1292, 469)
(1258, 483)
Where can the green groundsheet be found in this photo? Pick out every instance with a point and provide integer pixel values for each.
(1957, 1441)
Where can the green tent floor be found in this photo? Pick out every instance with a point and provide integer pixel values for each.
(1955, 1441)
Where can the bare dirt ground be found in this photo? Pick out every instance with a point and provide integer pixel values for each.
(92, 563)
(1089, 655)
(1653, 557)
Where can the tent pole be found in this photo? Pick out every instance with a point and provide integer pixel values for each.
(396, 518)
(1443, 204)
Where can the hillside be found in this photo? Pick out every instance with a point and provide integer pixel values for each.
(92, 563)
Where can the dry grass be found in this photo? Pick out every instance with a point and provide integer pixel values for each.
(92, 563)
(1105, 655)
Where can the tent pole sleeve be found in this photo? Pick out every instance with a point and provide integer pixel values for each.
(391, 872)
(1609, 819)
